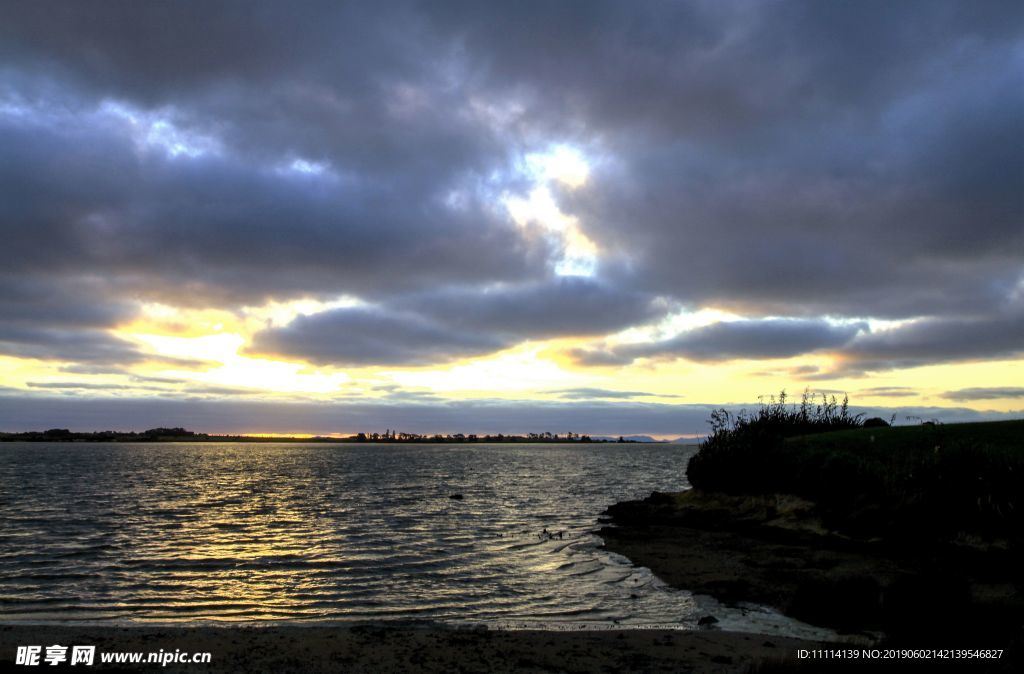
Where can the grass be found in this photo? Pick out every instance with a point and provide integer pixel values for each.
(923, 480)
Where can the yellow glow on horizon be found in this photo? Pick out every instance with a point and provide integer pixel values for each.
(160, 318)
(535, 371)
(237, 370)
(519, 370)
(17, 372)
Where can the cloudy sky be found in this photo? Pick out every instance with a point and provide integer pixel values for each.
(595, 216)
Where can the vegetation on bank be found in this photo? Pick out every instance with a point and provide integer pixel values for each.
(924, 480)
(740, 447)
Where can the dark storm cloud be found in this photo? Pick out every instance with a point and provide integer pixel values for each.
(796, 158)
(729, 340)
(158, 147)
(985, 393)
(80, 345)
(444, 325)
(562, 306)
(359, 336)
(826, 175)
(41, 318)
(220, 230)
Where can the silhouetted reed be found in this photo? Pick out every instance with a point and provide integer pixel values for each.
(741, 446)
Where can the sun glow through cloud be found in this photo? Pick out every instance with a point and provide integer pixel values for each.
(523, 370)
(562, 163)
(233, 369)
(565, 166)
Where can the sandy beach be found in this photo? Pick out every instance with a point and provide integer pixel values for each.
(417, 648)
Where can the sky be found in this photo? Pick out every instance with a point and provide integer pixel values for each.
(600, 217)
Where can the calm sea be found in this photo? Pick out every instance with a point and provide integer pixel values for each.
(290, 532)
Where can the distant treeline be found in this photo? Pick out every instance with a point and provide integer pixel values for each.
(184, 435)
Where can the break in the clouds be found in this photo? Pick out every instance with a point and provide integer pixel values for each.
(827, 162)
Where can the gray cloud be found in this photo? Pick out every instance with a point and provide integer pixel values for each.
(370, 336)
(73, 385)
(936, 340)
(99, 125)
(743, 339)
(562, 306)
(889, 391)
(443, 325)
(754, 157)
(985, 393)
(46, 319)
(590, 393)
(796, 207)
(161, 385)
(81, 345)
(225, 231)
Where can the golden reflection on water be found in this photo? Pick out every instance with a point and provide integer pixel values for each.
(273, 532)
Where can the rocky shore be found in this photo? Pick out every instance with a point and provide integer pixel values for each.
(776, 550)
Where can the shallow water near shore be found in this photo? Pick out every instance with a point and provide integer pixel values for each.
(266, 533)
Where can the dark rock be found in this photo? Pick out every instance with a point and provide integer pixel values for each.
(922, 603)
(456, 497)
(707, 620)
(845, 601)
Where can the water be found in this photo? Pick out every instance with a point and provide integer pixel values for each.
(290, 532)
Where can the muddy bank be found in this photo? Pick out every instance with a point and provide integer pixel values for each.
(776, 551)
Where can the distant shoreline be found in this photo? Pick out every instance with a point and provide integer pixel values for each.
(388, 437)
(341, 441)
(214, 439)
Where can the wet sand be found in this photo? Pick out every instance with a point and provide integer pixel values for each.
(417, 648)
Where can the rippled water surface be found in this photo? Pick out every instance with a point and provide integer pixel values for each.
(183, 532)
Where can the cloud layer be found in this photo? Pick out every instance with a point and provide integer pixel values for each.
(432, 327)
(805, 165)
